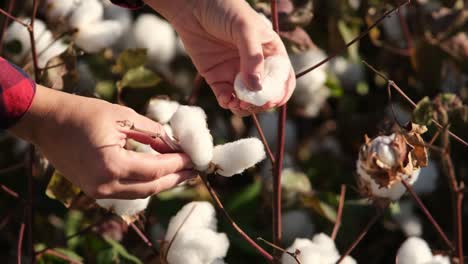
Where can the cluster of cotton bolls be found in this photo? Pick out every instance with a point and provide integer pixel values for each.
(17, 36)
(416, 251)
(193, 237)
(310, 93)
(321, 249)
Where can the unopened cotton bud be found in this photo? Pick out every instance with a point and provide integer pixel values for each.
(191, 130)
(161, 110)
(273, 82)
(416, 251)
(124, 208)
(161, 46)
(235, 157)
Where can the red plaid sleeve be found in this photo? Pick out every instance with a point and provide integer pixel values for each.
(16, 93)
(131, 4)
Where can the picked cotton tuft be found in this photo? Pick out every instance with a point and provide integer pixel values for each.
(416, 251)
(161, 110)
(124, 208)
(321, 249)
(157, 36)
(191, 130)
(197, 240)
(385, 161)
(276, 73)
(234, 157)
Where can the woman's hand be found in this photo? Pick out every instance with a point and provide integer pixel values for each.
(83, 139)
(224, 37)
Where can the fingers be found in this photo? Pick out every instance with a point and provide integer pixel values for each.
(142, 189)
(147, 167)
(251, 57)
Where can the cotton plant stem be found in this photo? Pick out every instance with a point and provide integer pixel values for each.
(270, 155)
(239, 230)
(143, 237)
(363, 34)
(10, 16)
(460, 195)
(11, 5)
(339, 214)
(427, 214)
(363, 233)
(413, 104)
(19, 245)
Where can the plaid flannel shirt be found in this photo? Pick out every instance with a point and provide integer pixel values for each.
(17, 89)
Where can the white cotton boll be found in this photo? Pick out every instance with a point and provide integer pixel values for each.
(161, 110)
(269, 122)
(235, 157)
(191, 130)
(19, 33)
(124, 17)
(296, 223)
(95, 37)
(310, 92)
(414, 251)
(321, 249)
(202, 215)
(427, 180)
(87, 12)
(273, 81)
(50, 51)
(59, 9)
(124, 207)
(349, 73)
(157, 36)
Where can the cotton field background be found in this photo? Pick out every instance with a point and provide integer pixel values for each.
(375, 144)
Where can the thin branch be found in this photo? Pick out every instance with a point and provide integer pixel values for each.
(460, 194)
(33, 40)
(427, 214)
(178, 230)
(220, 206)
(363, 233)
(362, 35)
(292, 254)
(400, 91)
(339, 214)
(263, 138)
(9, 191)
(60, 255)
(11, 6)
(10, 16)
(19, 246)
(143, 237)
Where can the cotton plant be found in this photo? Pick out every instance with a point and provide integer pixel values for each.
(385, 161)
(416, 251)
(192, 236)
(310, 93)
(85, 18)
(17, 36)
(320, 249)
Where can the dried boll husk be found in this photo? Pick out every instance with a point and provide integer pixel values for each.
(386, 160)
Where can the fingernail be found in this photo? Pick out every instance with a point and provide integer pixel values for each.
(253, 82)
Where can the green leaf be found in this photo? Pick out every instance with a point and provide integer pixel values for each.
(140, 77)
(335, 87)
(320, 207)
(129, 59)
(73, 222)
(423, 112)
(245, 196)
(106, 90)
(120, 250)
(61, 189)
(362, 88)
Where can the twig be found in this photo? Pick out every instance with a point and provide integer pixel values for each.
(178, 230)
(363, 34)
(10, 16)
(220, 206)
(33, 40)
(11, 5)
(292, 254)
(460, 195)
(29, 204)
(363, 233)
(427, 214)
(263, 138)
(400, 91)
(339, 214)
(9, 191)
(143, 237)
(19, 246)
(57, 254)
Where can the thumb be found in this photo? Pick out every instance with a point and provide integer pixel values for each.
(251, 58)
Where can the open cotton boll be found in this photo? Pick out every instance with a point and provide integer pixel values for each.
(416, 251)
(124, 207)
(191, 130)
(311, 92)
(276, 73)
(86, 12)
(59, 9)
(235, 157)
(197, 240)
(161, 110)
(95, 37)
(296, 223)
(156, 36)
(321, 249)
